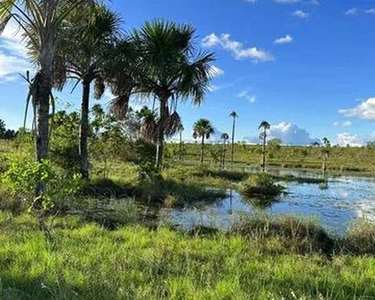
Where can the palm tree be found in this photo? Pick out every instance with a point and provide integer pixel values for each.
(83, 54)
(234, 116)
(41, 22)
(224, 137)
(203, 129)
(265, 126)
(326, 145)
(171, 69)
(181, 130)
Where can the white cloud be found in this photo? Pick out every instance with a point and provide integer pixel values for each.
(287, 1)
(248, 96)
(236, 48)
(364, 111)
(251, 1)
(300, 14)
(288, 133)
(13, 54)
(370, 11)
(342, 124)
(351, 12)
(284, 40)
(354, 140)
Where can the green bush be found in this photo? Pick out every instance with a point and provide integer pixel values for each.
(261, 185)
(304, 236)
(360, 238)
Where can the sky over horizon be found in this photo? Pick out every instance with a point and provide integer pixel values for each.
(305, 66)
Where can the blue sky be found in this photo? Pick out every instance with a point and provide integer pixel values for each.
(306, 66)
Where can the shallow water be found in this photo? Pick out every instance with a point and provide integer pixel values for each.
(334, 206)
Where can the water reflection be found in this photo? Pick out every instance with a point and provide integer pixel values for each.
(334, 203)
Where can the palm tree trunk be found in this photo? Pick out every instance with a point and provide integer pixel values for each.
(233, 133)
(202, 150)
(180, 145)
(41, 96)
(224, 154)
(160, 137)
(264, 151)
(83, 149)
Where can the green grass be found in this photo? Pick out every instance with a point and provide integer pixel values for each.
(342, 159)
(89, 262)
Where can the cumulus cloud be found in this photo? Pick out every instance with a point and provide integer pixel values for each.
(288, 133)
(300, 14)
(364, 111)
(284, 40)
(351, 12)
(13, 54)
(248, 96)
(370, 11)
(342, 124)
(236, 48)
(354, 140)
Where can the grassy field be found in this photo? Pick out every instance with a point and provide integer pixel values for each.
(352, 159)
(86, 261)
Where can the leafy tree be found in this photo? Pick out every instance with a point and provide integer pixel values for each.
(171, 69)
(234, 116)
(203, 129)
(2, 128)
(264, 126)
(83, 54)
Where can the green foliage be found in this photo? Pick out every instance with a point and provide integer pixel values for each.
(22, 177)
(261, 185)
(360, 238)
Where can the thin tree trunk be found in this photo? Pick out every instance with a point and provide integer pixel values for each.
(160, 138)
(202, 150)
(264, 151)
(41, 96)
(180, 145)
(83, 148)
(223, 156)
(233, 133)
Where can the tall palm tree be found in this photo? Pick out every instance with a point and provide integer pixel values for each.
(83, 55)
(171, 69)
(41, 22)
(326, 144)
(225, 138)
(203, 129)
(265, 126)
(234, 116)
(181, 130)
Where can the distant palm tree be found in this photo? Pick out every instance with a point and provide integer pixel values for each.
(265, 126)
(171, 69)
(326, 145)
(203, 129)
(234, 116)
(225, 138)
(181, 130)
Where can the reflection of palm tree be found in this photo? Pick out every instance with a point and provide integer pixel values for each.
(265, 126)
(203, 129)
(234, 116)
(224, 137)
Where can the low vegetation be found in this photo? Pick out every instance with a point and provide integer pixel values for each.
(261, 186)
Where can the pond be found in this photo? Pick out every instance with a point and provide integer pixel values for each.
(334, 205)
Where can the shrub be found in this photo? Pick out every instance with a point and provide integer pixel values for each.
(360, 238)
(261, 185)
(297, 234)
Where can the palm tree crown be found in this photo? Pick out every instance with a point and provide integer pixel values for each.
(203, 129)
(225, 136)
